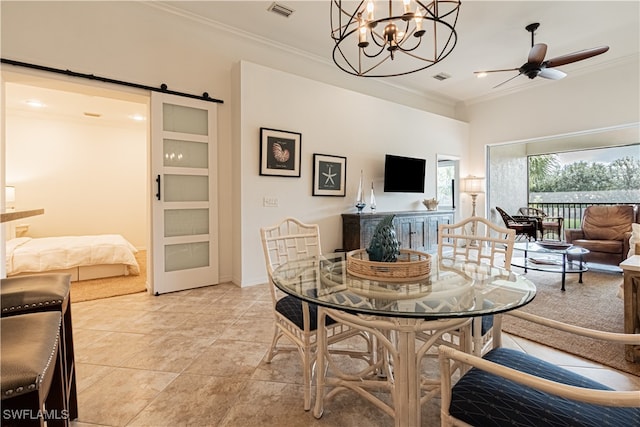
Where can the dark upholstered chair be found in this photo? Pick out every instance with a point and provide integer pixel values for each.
(31, 371)
(605, 232)
(547, 225)
(509, 387)
(46, 292)
(523, 226)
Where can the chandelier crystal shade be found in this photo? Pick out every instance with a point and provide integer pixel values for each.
(392, 38)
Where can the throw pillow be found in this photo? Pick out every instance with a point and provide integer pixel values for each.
(634, 239)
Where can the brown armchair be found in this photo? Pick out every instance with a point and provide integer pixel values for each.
(605, 232)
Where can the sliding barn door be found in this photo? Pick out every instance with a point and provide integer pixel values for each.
(184, 183)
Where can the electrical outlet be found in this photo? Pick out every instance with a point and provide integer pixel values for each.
(270, 202)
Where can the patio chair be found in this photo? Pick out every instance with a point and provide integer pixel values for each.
(478, 241)
(523, 226)
(509, 387)
(294, 318)
(546, 224)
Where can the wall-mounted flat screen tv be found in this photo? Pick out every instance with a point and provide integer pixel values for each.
(404, 174)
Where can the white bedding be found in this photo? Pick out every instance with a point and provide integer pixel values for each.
(30, 255)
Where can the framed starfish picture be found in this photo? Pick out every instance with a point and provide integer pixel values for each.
(329, 175)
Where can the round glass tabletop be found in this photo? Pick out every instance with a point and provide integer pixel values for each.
(450, 290)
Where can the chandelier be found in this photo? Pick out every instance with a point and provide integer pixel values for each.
(392, 38)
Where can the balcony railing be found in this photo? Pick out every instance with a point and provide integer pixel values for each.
(571, 212)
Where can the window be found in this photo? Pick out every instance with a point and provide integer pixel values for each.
(446, 181)
(600, 175)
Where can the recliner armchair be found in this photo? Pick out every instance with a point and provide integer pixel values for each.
(605, 232)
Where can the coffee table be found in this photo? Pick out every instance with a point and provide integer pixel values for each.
(550, 259)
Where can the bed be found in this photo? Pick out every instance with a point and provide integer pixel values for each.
(84, 257)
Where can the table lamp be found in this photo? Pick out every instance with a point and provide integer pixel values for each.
(9, 196)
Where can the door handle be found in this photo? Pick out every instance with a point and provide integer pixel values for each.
(158, 193)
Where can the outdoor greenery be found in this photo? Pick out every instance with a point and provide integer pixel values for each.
(446, 173)
(546, 174)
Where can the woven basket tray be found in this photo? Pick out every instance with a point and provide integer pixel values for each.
(411, 265)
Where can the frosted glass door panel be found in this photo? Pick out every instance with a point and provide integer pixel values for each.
(186, 188)
(186, 256)
(185, 207)
(185, 154)
(186, 222)
(179, 118)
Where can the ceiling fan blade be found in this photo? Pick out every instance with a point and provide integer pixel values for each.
(495, 71)
(537, 53)
(552, 74)
(508, 80)
(575, 56)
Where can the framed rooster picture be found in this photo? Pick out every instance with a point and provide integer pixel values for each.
(280, 152)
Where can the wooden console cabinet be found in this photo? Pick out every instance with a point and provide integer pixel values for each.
(417, 230)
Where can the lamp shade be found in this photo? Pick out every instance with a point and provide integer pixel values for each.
(9, 194)
(473, 185)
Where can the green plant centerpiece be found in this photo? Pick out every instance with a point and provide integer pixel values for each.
(384, 244)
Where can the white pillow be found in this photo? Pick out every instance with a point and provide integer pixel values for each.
(634, 239)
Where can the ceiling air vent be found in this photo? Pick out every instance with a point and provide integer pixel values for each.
(442, 76)
(280, 9)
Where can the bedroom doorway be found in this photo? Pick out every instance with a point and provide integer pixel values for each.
(81, 154)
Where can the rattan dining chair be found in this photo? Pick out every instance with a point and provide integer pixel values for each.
(509, 387)
(477, 241)
(295, 319)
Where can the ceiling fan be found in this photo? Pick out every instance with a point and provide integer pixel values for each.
(536, 66)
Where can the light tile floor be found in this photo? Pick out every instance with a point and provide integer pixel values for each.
(195, 358)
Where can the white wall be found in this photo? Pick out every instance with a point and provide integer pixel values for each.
(90, 178)
(573, 105)
(134, 42)
(332, 121)
(507, 173)
(131, 41)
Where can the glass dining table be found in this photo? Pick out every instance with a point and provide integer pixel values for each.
(407, 318)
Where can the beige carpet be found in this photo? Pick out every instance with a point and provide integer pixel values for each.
(593, 304)
(86, 290)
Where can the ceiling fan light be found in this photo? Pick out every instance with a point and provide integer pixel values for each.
(552, 74)
(537, 66)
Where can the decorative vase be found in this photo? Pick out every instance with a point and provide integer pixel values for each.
(360, 204)
(384, 246)
(372, 200)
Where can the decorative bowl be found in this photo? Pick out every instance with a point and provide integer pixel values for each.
(411, 265)
(550, 244)
(430, 204)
